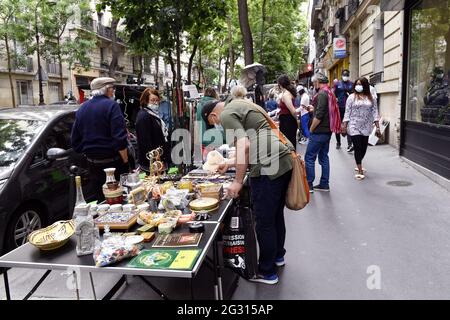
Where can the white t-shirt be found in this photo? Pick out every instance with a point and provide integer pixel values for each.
(304, 101)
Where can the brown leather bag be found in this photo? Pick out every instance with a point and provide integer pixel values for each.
(297, 196)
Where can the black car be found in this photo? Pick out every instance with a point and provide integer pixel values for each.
(34, 183)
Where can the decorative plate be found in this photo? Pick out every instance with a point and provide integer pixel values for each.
(54, 236)
(202, 204)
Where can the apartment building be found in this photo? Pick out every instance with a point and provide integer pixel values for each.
(25, 78)
(403, 47)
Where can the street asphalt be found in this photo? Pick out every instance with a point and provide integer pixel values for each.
(367, 239)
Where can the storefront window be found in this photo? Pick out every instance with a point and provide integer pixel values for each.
(429, 63)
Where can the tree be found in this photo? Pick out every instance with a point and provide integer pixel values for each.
(58, 45)
(246, 31)
(10, 12)
(283, 35)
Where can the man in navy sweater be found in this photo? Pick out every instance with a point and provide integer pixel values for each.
(100, 133)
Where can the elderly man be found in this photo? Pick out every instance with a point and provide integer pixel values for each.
(270, 164)
(320, 134)
(100, 133)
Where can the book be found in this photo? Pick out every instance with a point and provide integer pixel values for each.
(183, 259)
(177, 240)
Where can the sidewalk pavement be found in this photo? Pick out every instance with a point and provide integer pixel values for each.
(402, 232)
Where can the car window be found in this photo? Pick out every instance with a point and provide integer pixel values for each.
(60, 134)
(15, 136)
(59, 137)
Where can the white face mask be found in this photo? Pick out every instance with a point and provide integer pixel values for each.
(218, 127)
(359, 88)
(345, 78)
(153, 107)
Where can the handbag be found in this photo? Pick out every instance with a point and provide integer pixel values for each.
(297, 196)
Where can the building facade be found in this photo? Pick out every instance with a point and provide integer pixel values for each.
(402, 47)
(25, 77)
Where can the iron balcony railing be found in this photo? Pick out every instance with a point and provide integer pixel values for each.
(26, 67)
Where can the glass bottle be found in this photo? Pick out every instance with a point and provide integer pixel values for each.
(85, 233)
(79, 192)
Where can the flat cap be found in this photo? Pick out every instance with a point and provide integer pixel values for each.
(320, 77)
(101, 82)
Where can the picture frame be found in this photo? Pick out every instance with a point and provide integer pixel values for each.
(138, 196)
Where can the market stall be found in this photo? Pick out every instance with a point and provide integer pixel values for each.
(162, 225)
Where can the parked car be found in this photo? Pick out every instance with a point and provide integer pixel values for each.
(34, 183)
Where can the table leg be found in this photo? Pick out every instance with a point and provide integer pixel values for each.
(116, 288)
(92, 285)
(77, 290)
(191, 284)
(38, 284)
(5, 279)
(215, 263)
(218, 271)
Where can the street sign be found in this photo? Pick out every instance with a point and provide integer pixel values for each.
(340, 48)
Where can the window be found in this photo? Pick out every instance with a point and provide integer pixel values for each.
(429, 63)
(25, 92)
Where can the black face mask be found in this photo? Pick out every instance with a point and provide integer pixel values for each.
(301, 92)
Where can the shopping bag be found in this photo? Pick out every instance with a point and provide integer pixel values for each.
(239, 242)
(297, 196)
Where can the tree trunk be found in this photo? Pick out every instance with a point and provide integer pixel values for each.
(61, 80)
(172, 67)
(178, 47)
(157, 70)
(191, 60)
(220, 73)
(261, 45)
(246, 31)
(227, 64)
(11, 83)
(114, 48)
(230, 47)
(199, 67)
(141, 67)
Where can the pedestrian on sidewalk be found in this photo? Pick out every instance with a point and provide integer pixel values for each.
(304, 113)
(288, 115)
(151, 130)
(270, 161)
(342, 89)
(361, 113)
(326, 120)
(100, 134)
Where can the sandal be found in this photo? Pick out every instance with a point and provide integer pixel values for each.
(364, 170)
(359, 176)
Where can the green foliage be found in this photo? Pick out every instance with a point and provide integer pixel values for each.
(12, 11)
(284, 36)
(57, 45)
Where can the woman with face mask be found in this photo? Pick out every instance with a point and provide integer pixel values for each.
(151, 131)
(361, 113)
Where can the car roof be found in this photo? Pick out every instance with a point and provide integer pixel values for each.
(40, 113)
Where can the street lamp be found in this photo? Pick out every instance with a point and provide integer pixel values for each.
(41, 93)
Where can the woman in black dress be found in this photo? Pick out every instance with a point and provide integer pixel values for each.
(151, 130)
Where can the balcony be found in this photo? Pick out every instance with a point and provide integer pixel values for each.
(27, 66)
(315, 17)
(53, 68)
(353, 6)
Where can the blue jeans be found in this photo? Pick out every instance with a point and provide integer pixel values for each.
(305, 125)
(269, 199)
(319, 145)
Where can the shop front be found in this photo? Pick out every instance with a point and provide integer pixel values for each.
(425, 136)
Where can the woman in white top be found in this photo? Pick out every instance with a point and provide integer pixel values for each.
(361, 112)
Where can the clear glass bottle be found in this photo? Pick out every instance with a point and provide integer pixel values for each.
(85, 233)
(79, 191)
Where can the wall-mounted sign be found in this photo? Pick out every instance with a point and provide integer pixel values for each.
(339, 48)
